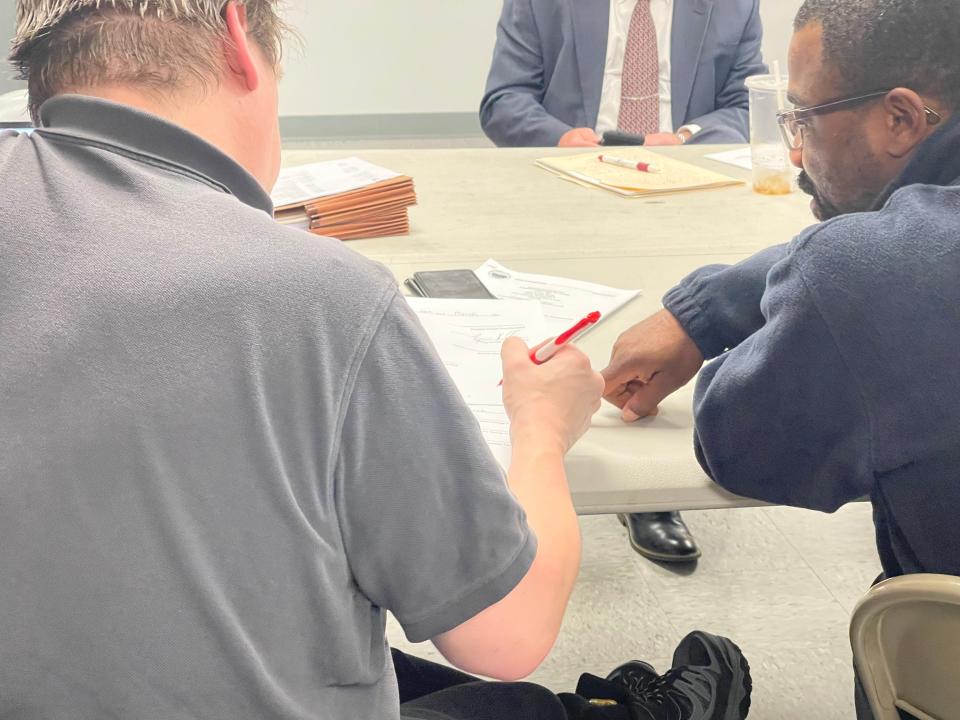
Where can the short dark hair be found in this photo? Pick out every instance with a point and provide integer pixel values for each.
(67, 45)
(882, 44)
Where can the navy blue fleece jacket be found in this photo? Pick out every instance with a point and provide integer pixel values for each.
(836, 365)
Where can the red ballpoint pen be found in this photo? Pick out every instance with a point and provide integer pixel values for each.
(551, 347)
(631, 164)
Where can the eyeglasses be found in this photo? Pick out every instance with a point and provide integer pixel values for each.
(792, 122)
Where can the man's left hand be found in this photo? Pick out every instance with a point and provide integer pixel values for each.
(649, 361)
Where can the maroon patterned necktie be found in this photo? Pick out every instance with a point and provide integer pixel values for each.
(640, 91)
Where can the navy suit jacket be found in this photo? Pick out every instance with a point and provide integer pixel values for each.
(548, 66)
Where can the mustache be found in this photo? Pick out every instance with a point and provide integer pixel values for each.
(806, 185)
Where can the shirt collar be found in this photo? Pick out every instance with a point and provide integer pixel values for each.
(140, 135)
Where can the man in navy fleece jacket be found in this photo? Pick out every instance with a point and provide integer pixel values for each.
(835, 368)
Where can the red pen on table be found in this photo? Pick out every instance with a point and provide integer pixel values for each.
(551, 347)
(632, 164)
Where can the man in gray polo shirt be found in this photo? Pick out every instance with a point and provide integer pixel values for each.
(227, 447)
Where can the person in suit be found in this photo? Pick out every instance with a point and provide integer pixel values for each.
(566, 71)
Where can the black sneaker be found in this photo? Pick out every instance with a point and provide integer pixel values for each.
(710, 680)
(633, 673)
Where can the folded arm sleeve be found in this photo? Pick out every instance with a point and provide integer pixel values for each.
(781, 418)
(431, 530)
(719, 305)
(511, 113)
(730, 122)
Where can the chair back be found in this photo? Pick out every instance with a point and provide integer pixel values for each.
(905, 634)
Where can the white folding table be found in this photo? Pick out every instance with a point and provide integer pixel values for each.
(476, 204)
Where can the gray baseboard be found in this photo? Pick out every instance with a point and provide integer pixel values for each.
(401, 125)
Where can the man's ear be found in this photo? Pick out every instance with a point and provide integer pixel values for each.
(238, 50)
(907, 122)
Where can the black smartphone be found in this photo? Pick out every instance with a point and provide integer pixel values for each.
(615, 138)
(448, 284)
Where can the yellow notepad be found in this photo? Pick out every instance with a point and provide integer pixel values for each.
(676, 176)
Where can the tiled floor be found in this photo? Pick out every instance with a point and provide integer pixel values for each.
(780, 582)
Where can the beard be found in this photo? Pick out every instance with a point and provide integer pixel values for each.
(823, 209)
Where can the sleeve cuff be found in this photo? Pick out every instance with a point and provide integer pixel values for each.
(476, 599)
(691, 128)
(684, 306)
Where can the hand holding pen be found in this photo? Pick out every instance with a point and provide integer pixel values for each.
(548, 348)
(550, 402)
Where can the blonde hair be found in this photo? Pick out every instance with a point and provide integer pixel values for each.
(156, 44)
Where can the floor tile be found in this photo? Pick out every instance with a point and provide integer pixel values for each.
(739, 540)
(802, 683)
(847, 580)
(775, 606)
(847, 534)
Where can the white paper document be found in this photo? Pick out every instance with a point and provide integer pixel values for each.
(739, 158)
(297, 185)
(468, 335)
(564, 301)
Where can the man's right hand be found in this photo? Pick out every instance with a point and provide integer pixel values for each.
(550, 407)
(650, 361)
(553, 402)
(579, 137)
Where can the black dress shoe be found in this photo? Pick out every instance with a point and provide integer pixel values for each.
(710, 680)
(660, 536)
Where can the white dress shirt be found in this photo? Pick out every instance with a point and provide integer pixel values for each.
(621, 11)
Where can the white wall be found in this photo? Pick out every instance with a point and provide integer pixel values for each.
(388, 56)
(378, 57)
(777, 28)
(415, 56)
(7, 27)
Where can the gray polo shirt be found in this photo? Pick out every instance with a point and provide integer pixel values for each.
(226, 446)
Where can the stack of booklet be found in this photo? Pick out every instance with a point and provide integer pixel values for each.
(346, 199)
(672, 176)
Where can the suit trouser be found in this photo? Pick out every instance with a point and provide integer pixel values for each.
(429, 691)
